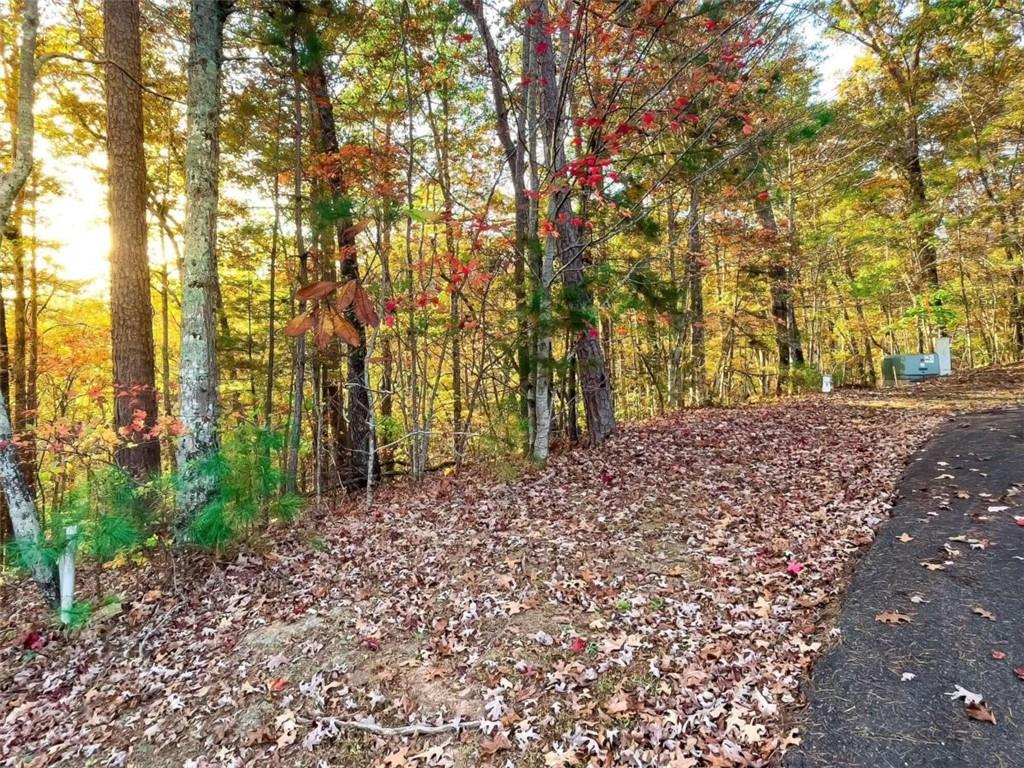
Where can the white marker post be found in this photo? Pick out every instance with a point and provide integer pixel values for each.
(826, 383)
(66, 570)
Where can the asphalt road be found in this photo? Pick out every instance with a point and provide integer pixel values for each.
(878, 698)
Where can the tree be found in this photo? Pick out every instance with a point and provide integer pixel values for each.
(198, 366)
(20, 505)
(131, 309)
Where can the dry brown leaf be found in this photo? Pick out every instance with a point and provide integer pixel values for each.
(985, 614)
(498, 743)
(980, 712)
(893, 617)
(363, 308)
(316, 290)
(345, 296)
(345, 331)
(299, 325)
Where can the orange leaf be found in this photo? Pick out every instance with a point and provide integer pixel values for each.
(980, 712)
(346, 295)
(345, 331)
(315, 291)
(893, 617)
(299, 325)
(364, 308)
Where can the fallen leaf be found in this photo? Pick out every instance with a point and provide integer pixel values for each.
(279, 684)
(498, 743)
(984, 613)
(905, 537)
(893, 617)
(959, 692)
(998, 655)
(980, 712)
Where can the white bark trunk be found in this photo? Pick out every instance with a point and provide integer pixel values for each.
(22, 508)
(542, 378)
(198, 367)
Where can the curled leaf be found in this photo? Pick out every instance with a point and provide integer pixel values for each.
(345, 331)
(299, 325)
(316, 290)
(364, 308)
(346, 294)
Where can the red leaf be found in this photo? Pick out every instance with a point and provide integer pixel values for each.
(279, 684)
(542, 48)
(33, 641)
(578, 645)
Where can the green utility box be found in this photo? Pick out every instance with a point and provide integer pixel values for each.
(906, 369)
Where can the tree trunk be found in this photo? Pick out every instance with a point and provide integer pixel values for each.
(695, 289)
(782, 312)
(24, 520)
(6, 531)
(927, 255)
(131, 309)
(198, 367)
(597, 392)
(299, 355)
(354, 470)
(22, 510)
(525, 236)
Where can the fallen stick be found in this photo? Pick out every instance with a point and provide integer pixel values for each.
(407, 730)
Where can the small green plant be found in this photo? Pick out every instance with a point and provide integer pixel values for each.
(246, 479)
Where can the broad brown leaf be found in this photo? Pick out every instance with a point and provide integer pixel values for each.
(364, 308)
(893, 617)
(315, 290)
(346, 294)
(299, 325)
(980, 712)
(345, 331)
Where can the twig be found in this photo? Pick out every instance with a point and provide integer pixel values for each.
(408, 730)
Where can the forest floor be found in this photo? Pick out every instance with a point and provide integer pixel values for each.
(659, 601)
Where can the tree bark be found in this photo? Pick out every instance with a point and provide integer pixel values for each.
(299, 353)
(20, 506)
(6, 531)
(198, 367)
(597, 391)
(22, 509)
(695, 291)
(131, 308)
(353, 471)
(927, 255)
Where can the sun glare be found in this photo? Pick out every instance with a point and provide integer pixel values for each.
(73, 224)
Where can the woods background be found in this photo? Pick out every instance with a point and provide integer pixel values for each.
(449, 230)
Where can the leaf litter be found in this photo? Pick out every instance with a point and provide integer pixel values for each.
(580, 614)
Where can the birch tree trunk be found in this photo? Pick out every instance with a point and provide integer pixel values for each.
(198, 366)
(131, 307)
(21, 507)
